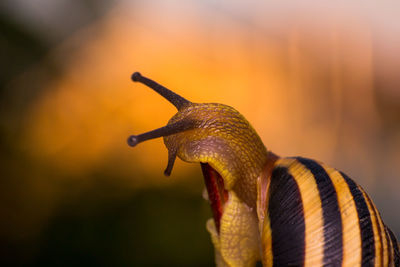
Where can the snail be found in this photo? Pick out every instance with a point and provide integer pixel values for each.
(274, 210)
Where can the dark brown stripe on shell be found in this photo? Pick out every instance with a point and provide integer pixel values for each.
(333, 237)
(364, 220)
(285, 210)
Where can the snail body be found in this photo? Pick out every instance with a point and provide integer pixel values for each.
(280, 211)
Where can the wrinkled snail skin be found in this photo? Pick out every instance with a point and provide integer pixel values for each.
(280, 211)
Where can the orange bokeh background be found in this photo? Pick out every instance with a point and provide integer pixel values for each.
(316, 81)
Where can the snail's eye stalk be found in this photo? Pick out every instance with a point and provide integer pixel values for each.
(171, 161)
(173, 128)
(175, 99)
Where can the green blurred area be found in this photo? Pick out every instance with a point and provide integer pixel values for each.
(108, 225)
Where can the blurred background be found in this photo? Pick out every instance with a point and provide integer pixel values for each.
(315, 79)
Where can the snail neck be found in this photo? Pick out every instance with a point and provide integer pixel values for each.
(221, 137)
(246, 185)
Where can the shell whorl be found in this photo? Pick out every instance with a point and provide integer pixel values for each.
(318, 216)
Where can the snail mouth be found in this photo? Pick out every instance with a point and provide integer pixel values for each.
(217, 195)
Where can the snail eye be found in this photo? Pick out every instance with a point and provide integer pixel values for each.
(175, 99)
(173, 128)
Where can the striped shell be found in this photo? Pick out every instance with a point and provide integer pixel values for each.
(317, 216)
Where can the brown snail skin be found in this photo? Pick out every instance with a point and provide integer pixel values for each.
(280, 211)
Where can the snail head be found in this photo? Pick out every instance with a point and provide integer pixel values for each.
(210, 133)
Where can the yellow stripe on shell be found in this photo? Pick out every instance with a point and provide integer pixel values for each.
(351, 234)
(312, 209)
(385, 260)
(375, 225)
(390, 248)
(384, 239)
